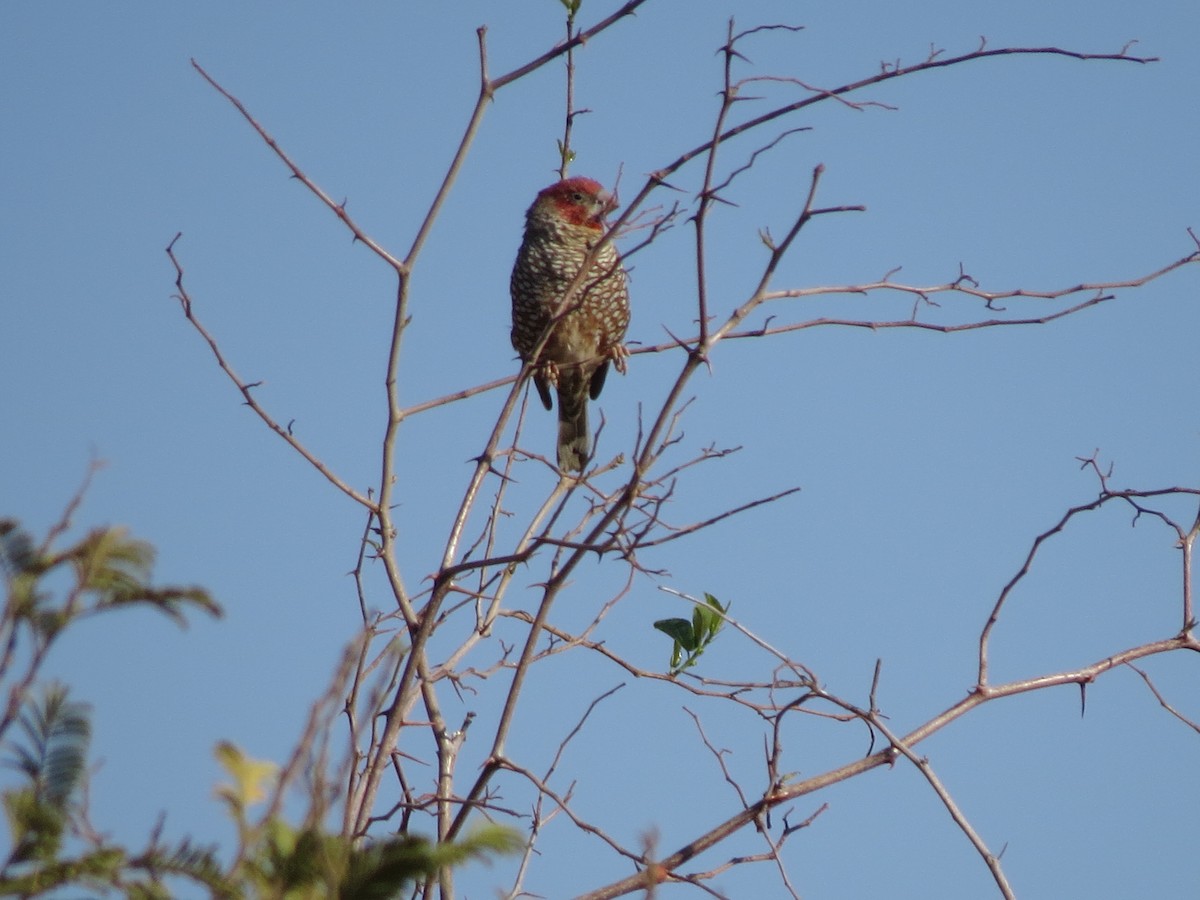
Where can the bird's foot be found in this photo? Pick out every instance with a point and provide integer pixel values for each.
(618, 354)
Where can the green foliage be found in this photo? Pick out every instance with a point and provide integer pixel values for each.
(42, 811)
(565, 153)
(52, 758)
(251, 779)
(380, 870)
(305, 863)
(572, 6)
(57, 732)
(277, 860)
(109, 570)
(46, 590)
(693, 637)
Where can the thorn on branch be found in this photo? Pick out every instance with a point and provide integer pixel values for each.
(962, 277)
(788, 828)
(757, 28)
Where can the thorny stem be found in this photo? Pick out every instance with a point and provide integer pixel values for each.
(990, 859)
(701, 351)
(564, 148)
(1106, 496)
(416, 677)
(784, 793)
(1162, 701)
(246, 389)
(887, 74)
(338, 209)
(707, 196)
(421, 624)
(963, 285)
(1187, 545)
(579, 40)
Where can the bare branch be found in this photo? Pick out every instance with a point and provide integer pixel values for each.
(245, 389)
(990, 859)
(1163, 702)
(783, 793)
(338, 209)
(580, 39)
(1105, 497)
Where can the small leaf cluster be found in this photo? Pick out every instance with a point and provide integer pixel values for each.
(693, 637)
(108, 570)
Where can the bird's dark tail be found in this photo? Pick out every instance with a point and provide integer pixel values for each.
(572, 420)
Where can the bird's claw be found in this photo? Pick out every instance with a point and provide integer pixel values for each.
(618, 354)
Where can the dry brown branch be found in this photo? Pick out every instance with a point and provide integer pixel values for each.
(719, 756)
(246, 389)
(1105, 497)
(1084, 675)
(962, 285)
(563, 803)
(888, 74)
(338, 209)
(617, 512)
(60, 527)
(1163, 702)
(579, 40)
(990, 859)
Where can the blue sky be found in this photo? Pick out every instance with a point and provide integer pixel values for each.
(927, 462)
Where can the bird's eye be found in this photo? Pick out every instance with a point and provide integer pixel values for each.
(577, 197)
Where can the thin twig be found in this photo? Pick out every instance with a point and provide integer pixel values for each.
(246, 389)
(990, 859)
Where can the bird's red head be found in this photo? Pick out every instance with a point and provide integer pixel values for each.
(580, 201)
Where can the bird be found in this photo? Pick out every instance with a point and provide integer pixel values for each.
(562, 230)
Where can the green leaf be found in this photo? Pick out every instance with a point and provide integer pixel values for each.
(35, 827)
(250, 776)
(22, 568)
(679, 629)
(565, 154)
(379, 871)
(185, 860)
(17, 554)
(714, 617)
(696, 635)
(54, 753)
(292, 861)
(116, 569)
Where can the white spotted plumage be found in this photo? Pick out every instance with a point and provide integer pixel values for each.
(562, 229)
